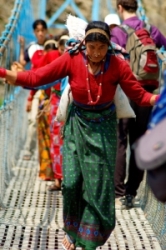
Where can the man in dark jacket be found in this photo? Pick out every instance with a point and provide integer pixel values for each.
(132, 127)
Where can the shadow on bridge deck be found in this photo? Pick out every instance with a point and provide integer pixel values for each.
(32, 217)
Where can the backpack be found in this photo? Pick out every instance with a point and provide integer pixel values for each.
(143, 57)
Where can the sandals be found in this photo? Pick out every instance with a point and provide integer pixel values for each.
(27, 157)
(53, 187)
(72, 242)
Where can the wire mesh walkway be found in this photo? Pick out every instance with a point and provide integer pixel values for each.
(32, 218)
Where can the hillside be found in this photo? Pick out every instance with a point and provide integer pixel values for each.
(5, 12)
(155, 10)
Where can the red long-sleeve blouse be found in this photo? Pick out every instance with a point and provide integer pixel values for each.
(39, 59)
(74, 66)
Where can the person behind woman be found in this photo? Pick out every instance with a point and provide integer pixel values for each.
(133, 128)
(27, 56)
(56, 141)
(41, 33)
(90, 139)
(112, 20)
(43, 126)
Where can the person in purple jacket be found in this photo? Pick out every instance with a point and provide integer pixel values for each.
(125, 193)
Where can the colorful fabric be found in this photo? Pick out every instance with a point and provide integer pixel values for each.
(55, 127)
(45, 169)
(74, 46)
(89, 153)
(119, 51)
(159, 110)
(55, 137)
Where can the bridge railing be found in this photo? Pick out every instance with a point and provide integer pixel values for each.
(12, 109)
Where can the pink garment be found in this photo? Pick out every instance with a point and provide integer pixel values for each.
(55, 138)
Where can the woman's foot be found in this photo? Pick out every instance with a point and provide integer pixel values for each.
(56, 186)
(67, 243)
(27, 155)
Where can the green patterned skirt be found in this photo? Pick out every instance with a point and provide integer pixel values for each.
(89, 153)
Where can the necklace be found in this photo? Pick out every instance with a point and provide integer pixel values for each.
(94, 70)
(99, 92)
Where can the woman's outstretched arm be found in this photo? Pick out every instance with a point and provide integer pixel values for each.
(58, 69)
(9, 75)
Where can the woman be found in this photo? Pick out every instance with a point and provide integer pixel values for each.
(55, 127)
(43, 134)
(27, 56)
(43, 126)
(90, 139)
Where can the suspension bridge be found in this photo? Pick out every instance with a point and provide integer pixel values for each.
(30, 216)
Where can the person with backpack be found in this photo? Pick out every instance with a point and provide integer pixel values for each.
(136, 37)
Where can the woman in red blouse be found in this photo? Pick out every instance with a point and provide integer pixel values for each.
(43, 125)
(90, 139)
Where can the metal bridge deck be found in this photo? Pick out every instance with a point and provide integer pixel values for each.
(32, 217)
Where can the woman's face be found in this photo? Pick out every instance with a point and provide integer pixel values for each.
(96, 51)
(61, 49)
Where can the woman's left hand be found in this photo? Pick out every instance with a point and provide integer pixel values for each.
(154, 99)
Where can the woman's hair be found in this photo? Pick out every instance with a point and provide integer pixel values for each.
(96, 35)
(63, 33)
(63, 39)
(129, 5)
(50, 45)
(39, 22)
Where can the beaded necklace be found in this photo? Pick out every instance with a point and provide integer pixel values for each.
(99, 93)
(97, 69)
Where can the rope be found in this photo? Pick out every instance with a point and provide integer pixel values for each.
(141, 12)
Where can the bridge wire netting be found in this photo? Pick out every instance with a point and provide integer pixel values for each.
(12, 109)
